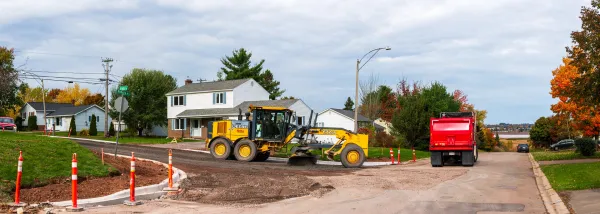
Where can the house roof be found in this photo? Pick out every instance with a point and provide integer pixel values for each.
(39, 106)
(68, 111)
(235, 110)
(209, 86)
(350, 114)
(379, 127)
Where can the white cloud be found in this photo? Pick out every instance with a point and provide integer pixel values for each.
(489, 49)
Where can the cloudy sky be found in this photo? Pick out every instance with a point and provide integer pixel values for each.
(500, 53)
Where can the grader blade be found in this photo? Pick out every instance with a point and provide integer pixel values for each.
(302, 160)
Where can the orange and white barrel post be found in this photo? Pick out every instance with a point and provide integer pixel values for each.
(131, 201)
(414, 154)
(170, 188)
(392, 155)
(102, 154)
(18, 202)
(74, 207)
(69, 132)
(399, 160)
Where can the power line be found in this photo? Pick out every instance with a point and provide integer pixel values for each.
(59, 80)
(57, 54)
(62, 72)
(76, 78)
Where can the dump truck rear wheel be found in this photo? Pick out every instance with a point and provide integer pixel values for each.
(353, 156)
(245, 150)
(220, 149)
(262, 156)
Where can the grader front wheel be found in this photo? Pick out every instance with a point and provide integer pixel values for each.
(220, 149)
(353, 156)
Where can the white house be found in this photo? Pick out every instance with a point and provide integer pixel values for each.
(193, 105)
(37, 109)
(61, 118)
(339, 118)
(387, 127)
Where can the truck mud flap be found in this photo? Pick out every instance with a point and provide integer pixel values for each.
(467, 158)
(436, 159)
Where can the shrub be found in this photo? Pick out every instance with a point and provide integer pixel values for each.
(586, 146)
(72, 126)
(93, 129)
(384, 139)
(84, 132)
(19, 123)
(111, 130)
(32, 123)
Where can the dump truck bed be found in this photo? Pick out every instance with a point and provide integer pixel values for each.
(451, 134)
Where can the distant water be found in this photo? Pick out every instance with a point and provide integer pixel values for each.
(514, 136)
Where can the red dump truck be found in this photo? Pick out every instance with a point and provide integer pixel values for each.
(452, 137)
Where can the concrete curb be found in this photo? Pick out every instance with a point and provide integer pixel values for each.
(141, 193)
(86, 139)
(551, 199)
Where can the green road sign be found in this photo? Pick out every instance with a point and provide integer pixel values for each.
(123, 88)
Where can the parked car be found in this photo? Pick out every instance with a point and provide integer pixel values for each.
(523, 148)
(7, 124)
(563, 144)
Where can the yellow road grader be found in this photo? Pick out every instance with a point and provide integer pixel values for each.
(269, 129)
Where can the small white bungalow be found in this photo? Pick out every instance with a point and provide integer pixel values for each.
(61, 118)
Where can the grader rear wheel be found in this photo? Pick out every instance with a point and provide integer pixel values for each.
(245, 150)
(353, 156)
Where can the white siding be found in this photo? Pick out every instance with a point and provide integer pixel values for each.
(199, 101)
(302, 110)
(249, 91)
(38, 113)
(65, 123)
(82, 119)
(330, 118)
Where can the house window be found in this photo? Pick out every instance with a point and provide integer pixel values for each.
(178, 124)
(320, 124)
(58, 121)
(97, 118)
(219, 98)
(300, 121)
(178, 100)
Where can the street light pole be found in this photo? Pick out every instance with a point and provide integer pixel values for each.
(358, 67)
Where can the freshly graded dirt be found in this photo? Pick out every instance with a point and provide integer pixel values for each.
(147, 173)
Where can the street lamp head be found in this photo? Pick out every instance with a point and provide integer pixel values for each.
(388, 48)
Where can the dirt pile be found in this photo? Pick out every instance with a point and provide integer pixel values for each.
(248, 187)
(147, 173)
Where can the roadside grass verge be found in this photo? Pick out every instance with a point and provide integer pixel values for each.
(561, 155)
(45, 160)
(122, 139)
(374, 153)
(576, 176)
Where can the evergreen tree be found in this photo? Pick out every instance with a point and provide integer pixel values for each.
(111, 130)
(72, 126)
(93, 129)
(32, 123)
(239, 66)
(349, 105)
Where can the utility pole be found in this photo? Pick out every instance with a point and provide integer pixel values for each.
(107, 66)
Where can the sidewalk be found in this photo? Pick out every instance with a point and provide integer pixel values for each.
(568, 161)
(585, 201)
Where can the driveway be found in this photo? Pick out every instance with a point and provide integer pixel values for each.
(499, 182)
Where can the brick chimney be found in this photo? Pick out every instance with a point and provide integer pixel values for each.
(188, 81)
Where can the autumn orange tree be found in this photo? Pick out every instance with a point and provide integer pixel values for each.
(75, 95)
(585, 117)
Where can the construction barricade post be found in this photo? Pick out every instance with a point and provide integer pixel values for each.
(392, 155)
(170, 188)
(18, 202)
(131, 201)
(399, 160)
(414, 154)
(74, 207)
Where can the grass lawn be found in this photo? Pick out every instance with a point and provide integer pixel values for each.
(122, 139)
(45, 159)
(573, 176)
(374, 153)
(561, 155)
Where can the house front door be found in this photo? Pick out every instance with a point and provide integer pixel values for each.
(196, 132)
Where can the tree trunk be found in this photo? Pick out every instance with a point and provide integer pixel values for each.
(140, 132)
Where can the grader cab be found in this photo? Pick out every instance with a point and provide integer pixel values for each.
(271, 129)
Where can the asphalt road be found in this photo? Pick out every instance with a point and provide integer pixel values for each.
(196, 162)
